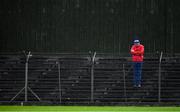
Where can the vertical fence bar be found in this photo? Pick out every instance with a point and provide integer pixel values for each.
(92, 77)
(159, 78)
(26, 76)
(59, 74)
(25, 88)
(26, 79)
(124, 79)
(92, 83)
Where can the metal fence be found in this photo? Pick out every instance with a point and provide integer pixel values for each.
(87, 79)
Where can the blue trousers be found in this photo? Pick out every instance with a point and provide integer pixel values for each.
(137, 73)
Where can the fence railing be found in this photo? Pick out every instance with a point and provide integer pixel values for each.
(89, 79)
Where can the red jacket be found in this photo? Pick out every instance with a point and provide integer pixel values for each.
(137, 52)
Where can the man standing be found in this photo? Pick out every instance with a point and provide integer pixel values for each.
(137, 51)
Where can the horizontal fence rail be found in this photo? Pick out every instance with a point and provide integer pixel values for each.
(87, 79)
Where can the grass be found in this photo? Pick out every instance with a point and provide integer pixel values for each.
(87, 109)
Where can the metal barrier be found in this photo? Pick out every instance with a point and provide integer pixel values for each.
(88, 79)
(159, 79)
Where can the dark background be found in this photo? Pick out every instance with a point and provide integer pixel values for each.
(106, 26)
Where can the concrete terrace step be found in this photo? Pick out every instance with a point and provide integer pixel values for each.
(76, 78)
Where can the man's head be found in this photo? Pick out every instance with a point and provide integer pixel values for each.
(136, 42)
